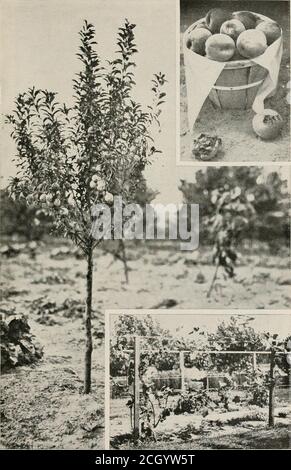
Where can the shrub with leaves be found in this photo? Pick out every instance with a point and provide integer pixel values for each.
(154, 409)
(192, 402)
(71, 157)
(18, 345)
(233, 213)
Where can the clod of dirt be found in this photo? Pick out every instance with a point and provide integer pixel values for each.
(18, 345)
(167, 303)
(65, 252)
(200, 278)
(206, 147)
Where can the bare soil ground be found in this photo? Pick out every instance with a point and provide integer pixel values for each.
(184, 431)
(42, 405)
(234, 127)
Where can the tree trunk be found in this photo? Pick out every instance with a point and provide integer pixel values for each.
(124, 260)
(271, 390)
(88, 319)
(213, 280)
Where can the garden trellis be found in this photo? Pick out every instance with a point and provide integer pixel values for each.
(137, 352)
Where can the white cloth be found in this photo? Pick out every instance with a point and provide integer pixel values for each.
(202, 73)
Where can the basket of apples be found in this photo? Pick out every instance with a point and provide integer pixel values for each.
(235, 39)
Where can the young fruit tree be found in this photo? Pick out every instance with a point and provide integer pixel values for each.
(71, 158)
(232, 216)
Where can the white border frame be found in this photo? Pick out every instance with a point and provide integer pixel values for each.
(198, 164)
(201, 312)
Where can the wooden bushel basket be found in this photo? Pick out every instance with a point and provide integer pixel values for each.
(238, 83)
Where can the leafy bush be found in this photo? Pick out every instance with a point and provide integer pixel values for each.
(18, 345)
(192, 402)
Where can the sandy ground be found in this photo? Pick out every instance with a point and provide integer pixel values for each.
(41, 405)
(179, 431)
(234, 127)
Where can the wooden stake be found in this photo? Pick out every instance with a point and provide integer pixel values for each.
(182, 369)
(136, 423)
(271, 389)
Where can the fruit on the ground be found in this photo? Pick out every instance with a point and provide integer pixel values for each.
(251, 43)
(215, 18)
(220, 47)
(198, 38)
(268, 125)
(271, 29)
(232, 28)
(247, 18)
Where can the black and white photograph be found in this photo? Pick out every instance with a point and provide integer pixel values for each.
(199, 380)
(145, 228)
(234, 81)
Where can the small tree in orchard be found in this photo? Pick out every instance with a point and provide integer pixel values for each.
(70, 158)
(233, 213)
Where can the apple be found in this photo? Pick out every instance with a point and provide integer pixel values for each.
(101, 185)
(202, 24)
(220, 47)
(248, 19)
(237, 56)
(57, 202)
(42, 197)
(95, 178)
(268, 125)
(93, 184)
(198, 38)
(49, 198)
(108, 197)
(232, 28)
(271, 29)
(251, 43)
(215, 18)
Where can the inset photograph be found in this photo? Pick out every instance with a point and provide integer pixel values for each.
(198, 380)
(234, 81)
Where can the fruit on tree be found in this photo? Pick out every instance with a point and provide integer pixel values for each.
(93, 184)
(42, 197)
(232, 28)
(108, 197)
(101, 185)
(215, 18)
(49, 198)
(57, 202)
(268, 125)
(251, 43)
(198, 38)
(220, 47)
(271, 29)
(248, 19)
